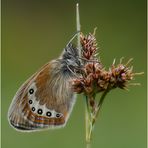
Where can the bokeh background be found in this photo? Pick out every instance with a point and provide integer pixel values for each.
(36, 31)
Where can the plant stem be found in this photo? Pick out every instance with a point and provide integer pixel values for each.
(90, 113)
(88, 126)
(91, 116)
(78, 27)
(88, 145)
(87, 119)
(99, 106)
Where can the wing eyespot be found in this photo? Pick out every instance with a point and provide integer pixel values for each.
(40, 111)
(58, 115)
(30, 101)
(49, 114)
(33, 109)
(31, 91)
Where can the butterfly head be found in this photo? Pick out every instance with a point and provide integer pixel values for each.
(70, 59)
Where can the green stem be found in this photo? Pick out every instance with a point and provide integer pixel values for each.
(78, 27)
(88, 145)
(91, 115)
(96, 113)
(88, 121)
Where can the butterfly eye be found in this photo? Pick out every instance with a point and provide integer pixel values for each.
(48, 114)
(40, 111)
(58, 115)
(33, 109)
(31, 91)
(30, 102)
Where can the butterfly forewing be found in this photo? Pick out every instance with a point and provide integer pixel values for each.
(43, 101)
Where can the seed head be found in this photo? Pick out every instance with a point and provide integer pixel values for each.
(95, 79)
(89, 46)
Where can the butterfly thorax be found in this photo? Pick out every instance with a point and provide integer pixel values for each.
(70, 60)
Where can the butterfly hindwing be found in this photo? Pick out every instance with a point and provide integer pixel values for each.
(43, 101)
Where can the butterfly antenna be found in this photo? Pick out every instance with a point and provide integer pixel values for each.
(73, 37)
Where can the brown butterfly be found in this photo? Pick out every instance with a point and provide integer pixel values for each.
(46, 99)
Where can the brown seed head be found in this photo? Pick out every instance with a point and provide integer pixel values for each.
(96, 79)
(89, 46)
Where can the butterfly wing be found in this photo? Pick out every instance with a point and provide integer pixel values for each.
(43, 101)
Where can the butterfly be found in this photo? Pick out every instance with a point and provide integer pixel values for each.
(46, 99)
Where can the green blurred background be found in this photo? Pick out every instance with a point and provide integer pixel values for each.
(36, 31)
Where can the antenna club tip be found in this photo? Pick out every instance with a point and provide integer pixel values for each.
(77, 4)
